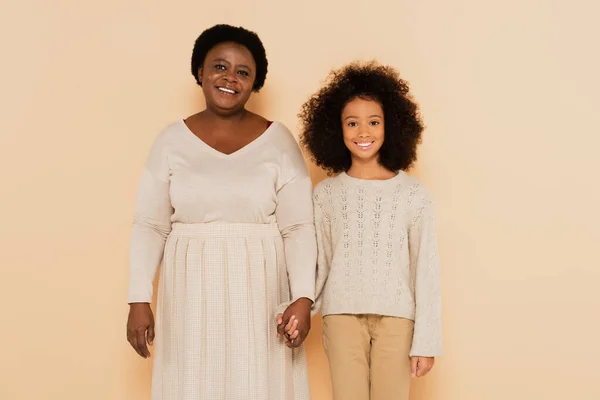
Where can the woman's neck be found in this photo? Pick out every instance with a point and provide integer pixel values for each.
(214, 117)
(370, 170)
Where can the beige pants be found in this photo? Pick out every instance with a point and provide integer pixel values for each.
(368, 356)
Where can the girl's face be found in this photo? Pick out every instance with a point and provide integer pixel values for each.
(363, 128)
(227, 76)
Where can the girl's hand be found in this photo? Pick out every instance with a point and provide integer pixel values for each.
(420, 366)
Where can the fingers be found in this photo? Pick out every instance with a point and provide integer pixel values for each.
(290, 325)
(303, 330)
(286, 328)
(420, 366)
(280, 325)
(291, 333)
(302, 334)
(293, 325)
(132, 339)
(293, 328)
(426, 364)
(141, 343)
(294, 334)
(414, 362)
(151, 334)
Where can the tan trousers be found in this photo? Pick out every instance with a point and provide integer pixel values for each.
(368, 356)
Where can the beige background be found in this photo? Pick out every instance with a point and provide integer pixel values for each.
(510, 94)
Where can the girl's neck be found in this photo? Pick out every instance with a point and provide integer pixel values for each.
(371, 170)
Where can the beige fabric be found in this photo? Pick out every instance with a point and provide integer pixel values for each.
(187, 181)
(237, 238)
(219, 287)
(368, 356)
(378, 253)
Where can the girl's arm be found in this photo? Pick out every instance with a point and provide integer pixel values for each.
(423, 249)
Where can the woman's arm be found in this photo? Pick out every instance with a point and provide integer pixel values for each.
(151, 226)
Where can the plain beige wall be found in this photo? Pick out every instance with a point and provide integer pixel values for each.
(509, 92)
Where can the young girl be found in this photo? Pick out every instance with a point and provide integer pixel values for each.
(378, 280)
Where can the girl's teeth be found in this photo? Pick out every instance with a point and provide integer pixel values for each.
(227, 90)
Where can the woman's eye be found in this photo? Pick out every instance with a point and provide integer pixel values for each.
(244, 73)
(220, 67)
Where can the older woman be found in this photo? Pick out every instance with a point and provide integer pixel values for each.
(225, 203)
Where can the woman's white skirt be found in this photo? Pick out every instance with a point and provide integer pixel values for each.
(220, 286)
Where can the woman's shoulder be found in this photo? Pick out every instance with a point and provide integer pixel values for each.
(282, 135)
(167, 137)
(285, 146)
(170, 133)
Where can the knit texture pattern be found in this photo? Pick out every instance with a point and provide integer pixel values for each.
(378, 253)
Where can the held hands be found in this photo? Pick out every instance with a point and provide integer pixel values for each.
(294, 323)
(420, 366)
(140, 328)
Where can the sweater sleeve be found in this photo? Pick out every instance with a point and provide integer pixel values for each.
(294, 213)
(151, 224)
(324, 247)
(427, 341)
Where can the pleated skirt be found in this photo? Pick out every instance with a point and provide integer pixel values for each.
(219, 288)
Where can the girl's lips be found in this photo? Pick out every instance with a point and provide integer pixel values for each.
(365, 145)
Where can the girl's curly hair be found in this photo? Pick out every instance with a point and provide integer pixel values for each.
(321, 121)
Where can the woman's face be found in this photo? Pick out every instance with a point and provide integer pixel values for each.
(363, 128)
(227, 77)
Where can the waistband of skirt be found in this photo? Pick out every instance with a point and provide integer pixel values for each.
(224, 229)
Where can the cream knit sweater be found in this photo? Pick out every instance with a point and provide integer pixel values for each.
(378, 253)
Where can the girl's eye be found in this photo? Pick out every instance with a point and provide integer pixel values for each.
(353, 124)
(374, 123)
(220, 67)
(243, 73)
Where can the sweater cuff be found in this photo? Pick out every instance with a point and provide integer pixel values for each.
(298, 291)
(433, 350)
(306, 295)
(140, 294)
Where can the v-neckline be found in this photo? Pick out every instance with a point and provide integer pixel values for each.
(241, 150)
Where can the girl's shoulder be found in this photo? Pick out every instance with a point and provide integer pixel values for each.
(414, 185)
(327, 186)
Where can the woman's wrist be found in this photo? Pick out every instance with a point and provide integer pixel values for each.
(305, 300)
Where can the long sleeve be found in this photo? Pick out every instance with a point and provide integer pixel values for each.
(423, 249)
(152, 224)
(324, 248)
(294, 213)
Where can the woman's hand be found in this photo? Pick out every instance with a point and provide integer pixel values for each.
(140, 328)
(300, 311)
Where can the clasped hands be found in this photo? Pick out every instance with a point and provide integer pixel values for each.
(294, 323)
